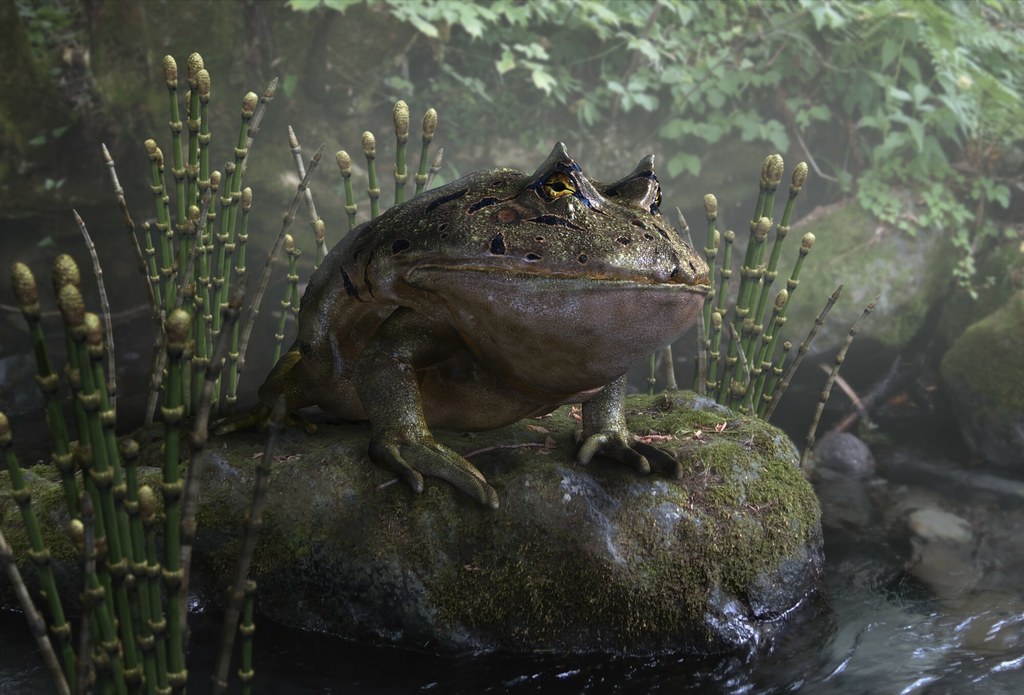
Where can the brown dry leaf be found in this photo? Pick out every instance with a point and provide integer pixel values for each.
(720, 427)
(537, 428)
(652, 437)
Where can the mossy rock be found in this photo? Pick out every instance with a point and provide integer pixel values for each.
(870, 259)
(984, 375)
(593, 559)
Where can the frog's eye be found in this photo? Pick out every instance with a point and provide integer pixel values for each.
(558, 185)
(657, 203)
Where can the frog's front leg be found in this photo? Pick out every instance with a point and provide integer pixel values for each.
(385, 379)
(605, 434)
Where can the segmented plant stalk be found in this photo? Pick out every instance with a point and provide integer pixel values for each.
(724, 276)
(202, 326)
(163, 226)
(781, 231)
(345, 167)
(291, 293)
(652, 379)
(26, 292)
(129, 224)
(710, 252)
(771, 337)
(35, 621)
(89, 336)
(177, 159)
(240, 281)
(400, 116)
(254, 303)
(373, 189)
(82, 533)
(316, 224)
(172, 486)
(200, 435)
(227, 236)
(39, 554)
(429, 127)
(203, 87)
(714, 354)
(773, 380)
(104, 308)
(157, 620)
(66, 279)
(435, 166)
(768, 353)
(787, 376)
(257, 120)
(142, 600)
(827, 390)
(192, 104)
(253, 523)
(246, 672)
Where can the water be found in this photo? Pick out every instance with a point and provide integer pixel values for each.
(877, 628)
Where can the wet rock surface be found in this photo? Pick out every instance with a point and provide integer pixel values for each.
(580, 559)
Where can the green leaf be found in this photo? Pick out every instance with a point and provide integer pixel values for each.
(507, 62)
(37, 141)
(57, 132)
(890, 49)
(542, 79)
(683, 163)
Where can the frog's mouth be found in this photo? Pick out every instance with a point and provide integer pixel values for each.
(691, 279)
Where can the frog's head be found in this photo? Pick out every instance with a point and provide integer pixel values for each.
(552, 263)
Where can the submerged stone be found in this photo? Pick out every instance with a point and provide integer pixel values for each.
(576, 559)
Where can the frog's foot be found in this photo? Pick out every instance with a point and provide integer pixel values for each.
(257, 419)
(622, 448)
(412, 458)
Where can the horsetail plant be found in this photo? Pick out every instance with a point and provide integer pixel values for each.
(291, 293)
(429, 128)
(373, 188)
(345, 167)
(316, 223)
(400, 116)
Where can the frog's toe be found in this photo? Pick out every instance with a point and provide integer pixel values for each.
(643, 458)
(412, 461)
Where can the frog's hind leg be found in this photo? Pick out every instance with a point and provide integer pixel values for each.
(283, 380)
(385, 377)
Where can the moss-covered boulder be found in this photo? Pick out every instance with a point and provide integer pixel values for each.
(870, 259)
(575, 559)
(984, 375)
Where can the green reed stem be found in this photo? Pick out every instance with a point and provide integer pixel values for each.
(240, 279)
(345, 166)
(163, 225)
(787, 376)
(26, 293)
(157, 621)
(39, 554)
(246, 672)
(172, 486)
(827, 389)
(373, 189)
(253, 524)
(317, 224)
(177, 159)
(429, 127)
(435, 166)
(192, 105)
(291, 292)
(400, 116)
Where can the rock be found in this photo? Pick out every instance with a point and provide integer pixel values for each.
(869, 258)
(984, 375)
(942, 551)
(576, 559)
(846, 454)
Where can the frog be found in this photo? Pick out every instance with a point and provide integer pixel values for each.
(497, 297)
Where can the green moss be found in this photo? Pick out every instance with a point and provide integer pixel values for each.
(986, 361)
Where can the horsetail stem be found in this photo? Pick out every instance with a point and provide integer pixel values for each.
(373, 189)
(173, 411)
(427, 135)
(400, 116)
(291, 293)
(192, 105)
(345, 167)
(315, 222)
(26, 293)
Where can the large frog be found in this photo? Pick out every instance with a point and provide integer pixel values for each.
(499, 296)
